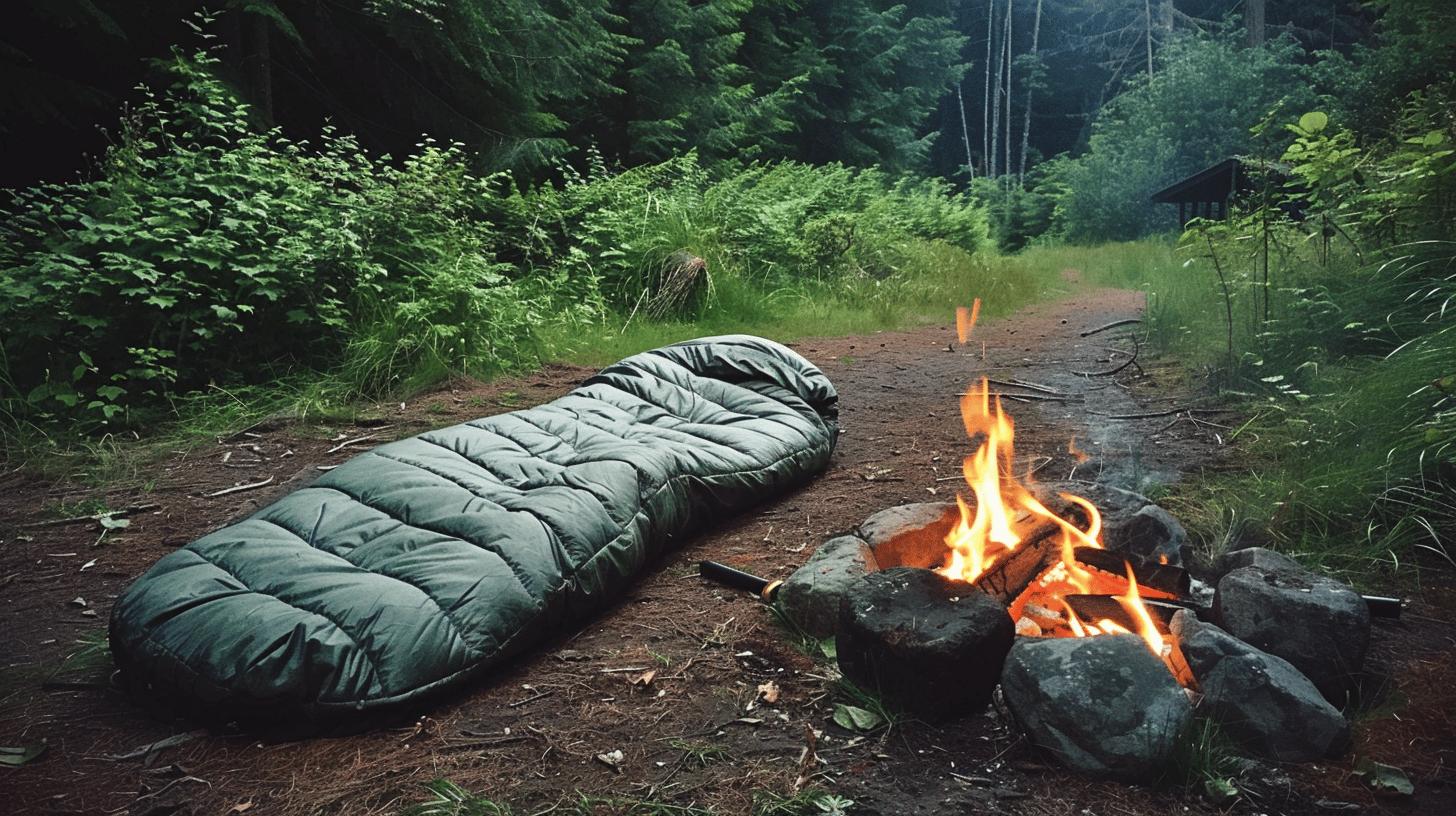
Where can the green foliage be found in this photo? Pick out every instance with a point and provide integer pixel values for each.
(449, 799)
(1196, 110)
(205, 250)
(205, 256)
(807, 802)
(1345, 347)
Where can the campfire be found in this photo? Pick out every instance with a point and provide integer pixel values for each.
(1048, 566)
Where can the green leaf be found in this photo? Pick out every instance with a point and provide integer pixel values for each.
(1433, 138)
(854, 718)
(15, 757)
(828, 648)
(1314, 122)
(1221, 792)
(1384, 778)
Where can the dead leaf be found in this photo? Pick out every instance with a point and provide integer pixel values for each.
(242, 807)
(79, 601)
(769, 692)
(612, 759)
(645, 678)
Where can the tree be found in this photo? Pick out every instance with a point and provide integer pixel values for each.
(1032, 77)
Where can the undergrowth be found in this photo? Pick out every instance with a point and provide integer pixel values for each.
(1336, 334)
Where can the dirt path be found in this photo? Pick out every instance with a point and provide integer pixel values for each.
(695, 734)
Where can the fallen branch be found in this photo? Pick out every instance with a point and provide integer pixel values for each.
(161, 744)
(1036, 397)
(1136, 347)
(347, 442)
(1031, 386)
(125, 511)
(1171, 411)
(1114, 324)
(240, 488)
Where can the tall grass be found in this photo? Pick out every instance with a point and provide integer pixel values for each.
(1346, 452)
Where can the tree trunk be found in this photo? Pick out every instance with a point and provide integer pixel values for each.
(996, 109)
(986, 99)
(1026, 114)
(1254, 23)
(258, 66)
(965, 131)
(1148, 24)
(1006, 158)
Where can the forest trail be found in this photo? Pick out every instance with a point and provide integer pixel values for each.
(531, 734)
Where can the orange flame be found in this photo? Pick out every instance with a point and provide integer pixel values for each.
(1133, 603)
(966, 320)
(986, 531)
(981, 536)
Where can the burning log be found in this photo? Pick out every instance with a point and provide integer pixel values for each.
(1164, 578)
(1093, 608)
(1014, 571)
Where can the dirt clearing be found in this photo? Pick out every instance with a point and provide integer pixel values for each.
(678, 676)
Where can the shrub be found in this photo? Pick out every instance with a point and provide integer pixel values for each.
(205, 251)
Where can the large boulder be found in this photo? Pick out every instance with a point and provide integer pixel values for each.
(1264, 559)
(1318, 624)
(810, 597)
(1103, 705)
(927, 644)
(1259, 700)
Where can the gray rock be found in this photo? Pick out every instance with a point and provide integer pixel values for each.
(1130, 521)
(1264, 559)
(1103, 705)
(1151, 532)
(927, 644)
(910, 535)
(1259, 700)
(1316, 623)
(810, 596)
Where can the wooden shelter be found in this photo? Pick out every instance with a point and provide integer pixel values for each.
(1207, 193)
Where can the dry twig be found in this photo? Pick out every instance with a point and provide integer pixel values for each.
(125, 511)
(240, 488)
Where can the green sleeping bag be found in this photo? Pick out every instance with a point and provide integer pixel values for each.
(423, 563)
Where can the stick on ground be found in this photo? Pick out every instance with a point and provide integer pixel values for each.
(240, 488)
(1114, 324)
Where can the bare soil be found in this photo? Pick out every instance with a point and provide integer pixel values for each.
(531, 734)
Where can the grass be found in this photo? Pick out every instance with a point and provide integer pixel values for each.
(700, 754)
(1202, 757)
(1346, 444)
(807, 802)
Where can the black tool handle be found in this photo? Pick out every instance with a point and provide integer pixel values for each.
(738, 579)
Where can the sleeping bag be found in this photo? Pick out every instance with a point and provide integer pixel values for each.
(423, 563)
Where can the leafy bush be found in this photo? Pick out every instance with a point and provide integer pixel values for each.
(1196, 110)
(205, 251)
(1348, 354)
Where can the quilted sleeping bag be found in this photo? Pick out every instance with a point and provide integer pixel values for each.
(423, 563)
